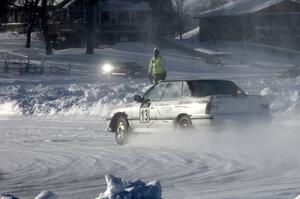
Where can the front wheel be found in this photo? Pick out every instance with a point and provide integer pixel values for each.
(184, 122)
(122, 131)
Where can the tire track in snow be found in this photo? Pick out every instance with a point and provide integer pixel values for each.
(37, 157)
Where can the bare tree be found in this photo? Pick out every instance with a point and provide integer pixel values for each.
(4, 11)
(33, 9)
(45, 28)
(30, 9)
(181, 10)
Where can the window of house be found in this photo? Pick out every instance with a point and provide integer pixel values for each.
(142, 17)
(105, 18)
(113, 18)
(133, 17)
(123, 17)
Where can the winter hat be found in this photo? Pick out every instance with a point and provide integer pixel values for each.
(155, 50)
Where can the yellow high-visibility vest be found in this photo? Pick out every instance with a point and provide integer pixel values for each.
(157, 65)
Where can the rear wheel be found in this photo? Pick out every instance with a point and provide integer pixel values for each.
(184, 122)
(122, 130)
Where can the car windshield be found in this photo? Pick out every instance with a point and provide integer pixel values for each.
(155, 93)
(208, 88)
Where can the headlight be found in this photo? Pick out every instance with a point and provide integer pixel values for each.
(107, 68)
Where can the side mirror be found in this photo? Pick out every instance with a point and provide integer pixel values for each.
(138, 98)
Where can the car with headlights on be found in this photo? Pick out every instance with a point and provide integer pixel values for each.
(127, 68)
(186, 104)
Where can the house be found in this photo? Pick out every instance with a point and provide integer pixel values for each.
(114, 21)
(125, 21)
(19, 13)
(275, 22)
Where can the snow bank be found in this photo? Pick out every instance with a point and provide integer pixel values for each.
(46, 195)
(283, 95)
(42, 195)
(192, 34)
(7, 196)
(118, 188)
(81, 99)
(96, 99)
(298, 197)
(10, 108)
(12, 35)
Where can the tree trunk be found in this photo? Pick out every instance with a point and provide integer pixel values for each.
(45, 28)
(180, 31)
(4, 11)
(31, 23)
(89, 38)
(90, 17)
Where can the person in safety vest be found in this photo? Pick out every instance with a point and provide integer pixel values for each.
(156, 71)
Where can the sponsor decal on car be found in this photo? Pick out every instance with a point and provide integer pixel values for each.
(198, 101)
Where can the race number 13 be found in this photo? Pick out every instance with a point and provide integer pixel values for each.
(145, 115)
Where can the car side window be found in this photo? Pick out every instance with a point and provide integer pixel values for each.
(156, 92)
(173, 91)
(186, 92)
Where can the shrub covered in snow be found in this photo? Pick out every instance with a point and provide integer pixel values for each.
(118, 188)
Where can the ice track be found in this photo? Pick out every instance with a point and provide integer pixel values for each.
(71, 159)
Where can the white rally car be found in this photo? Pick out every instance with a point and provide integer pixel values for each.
(186, 104)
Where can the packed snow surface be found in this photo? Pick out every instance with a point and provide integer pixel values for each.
(53, 133)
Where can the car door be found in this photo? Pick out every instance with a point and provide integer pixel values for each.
(147, 114)
(167, 108)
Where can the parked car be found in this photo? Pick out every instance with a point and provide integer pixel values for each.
(186, 104)
(129, 69)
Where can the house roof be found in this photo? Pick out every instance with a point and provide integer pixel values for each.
(117, 5)
(241, 7)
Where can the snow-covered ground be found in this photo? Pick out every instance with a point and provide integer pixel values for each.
(53, 134)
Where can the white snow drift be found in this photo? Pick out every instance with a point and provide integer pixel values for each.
(118, 188)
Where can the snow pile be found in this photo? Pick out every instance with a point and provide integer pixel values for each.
(42, 195)
(298, 197)
(7, 196)
(118, 188)
(12, 35)
(65, 99)
(10, 108)
(192, 34)
(283, 95)
(46, 195)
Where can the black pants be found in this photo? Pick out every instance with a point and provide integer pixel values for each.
(158, 77)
